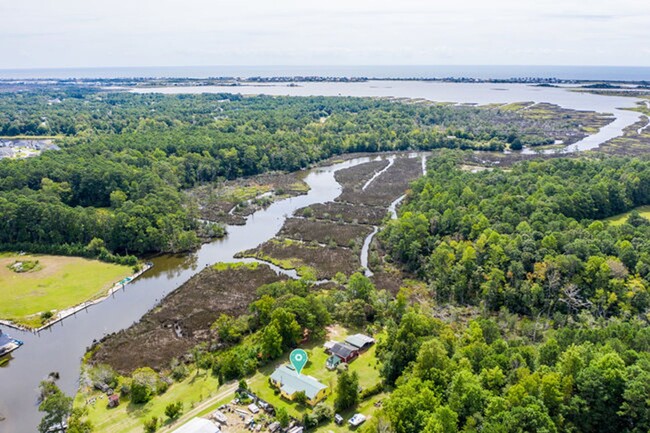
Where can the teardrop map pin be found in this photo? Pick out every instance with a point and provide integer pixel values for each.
(298, 359)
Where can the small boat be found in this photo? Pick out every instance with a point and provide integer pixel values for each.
(8, 344)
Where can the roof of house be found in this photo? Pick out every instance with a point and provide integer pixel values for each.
(333, 360)
(198, 425)
(343, 350)
(359, 340)
(292, 382)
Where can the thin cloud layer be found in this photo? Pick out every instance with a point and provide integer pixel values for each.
(90, 33)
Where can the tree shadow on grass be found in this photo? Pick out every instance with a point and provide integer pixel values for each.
(137, 410)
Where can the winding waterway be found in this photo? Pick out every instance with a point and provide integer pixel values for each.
(61, 347)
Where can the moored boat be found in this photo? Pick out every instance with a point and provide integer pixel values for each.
(8, 344)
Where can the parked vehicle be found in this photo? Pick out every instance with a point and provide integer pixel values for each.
(357, 420)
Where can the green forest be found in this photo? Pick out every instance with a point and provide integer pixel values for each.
(563, 340)
(534, 315)
(116, 186)
(530, 239)
(528, 312)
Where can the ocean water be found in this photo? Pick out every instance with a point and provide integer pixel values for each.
(622, 73)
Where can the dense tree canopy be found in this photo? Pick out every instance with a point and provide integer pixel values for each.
(491, 376)
(530, 238)
(126, 157)
(564, 341)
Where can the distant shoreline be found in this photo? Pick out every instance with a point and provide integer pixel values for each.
(480, 73)
(126, 84)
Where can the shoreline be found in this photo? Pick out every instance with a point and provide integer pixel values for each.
(235, 79)
(64, 314)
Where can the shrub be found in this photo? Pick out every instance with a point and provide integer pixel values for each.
(179, 372)
(45, 316)
(151, 425)
(144, 385)
(282, 416)
(174, 410)
(321, 414)
(301, 398)
(103, 373)
(372, 391)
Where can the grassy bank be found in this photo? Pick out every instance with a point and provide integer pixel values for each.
(54, 283)
(128, 417)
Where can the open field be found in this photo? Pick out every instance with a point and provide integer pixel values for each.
(617, 220)
(129, 418)
(57, 283)
(201, 394)
(183, 319)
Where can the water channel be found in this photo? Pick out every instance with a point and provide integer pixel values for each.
(61, 347)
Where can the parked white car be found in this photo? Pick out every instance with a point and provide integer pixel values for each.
(357, 420)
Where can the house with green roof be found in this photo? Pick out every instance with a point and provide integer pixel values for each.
(291, 383)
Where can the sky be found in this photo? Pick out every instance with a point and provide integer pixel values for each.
(92, 33)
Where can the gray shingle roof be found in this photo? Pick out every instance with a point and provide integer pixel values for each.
(291, 382)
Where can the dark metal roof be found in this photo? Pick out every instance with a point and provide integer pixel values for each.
(342, 350)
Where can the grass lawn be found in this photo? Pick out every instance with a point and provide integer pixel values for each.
(56, 283)
(201, 394)
(129, 417)
(366, 366)
(617, 220)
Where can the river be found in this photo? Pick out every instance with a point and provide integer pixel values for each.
(61, 347)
